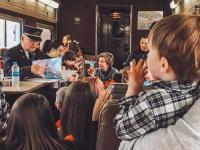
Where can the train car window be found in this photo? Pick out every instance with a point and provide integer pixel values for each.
(10, 31)
(47, 32)
(2, 33)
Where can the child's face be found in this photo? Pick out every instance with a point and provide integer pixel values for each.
(153, 62)
(144, 44)
(102, 64)
(69, 63)
(65, 40)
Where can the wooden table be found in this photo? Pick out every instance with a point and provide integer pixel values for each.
(28, 86)
(40, 86)
(25, 87)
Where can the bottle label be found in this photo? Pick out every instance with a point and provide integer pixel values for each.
(15, 74)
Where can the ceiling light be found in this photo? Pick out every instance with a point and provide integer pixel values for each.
(116, 15)
(174, 4)
(45, 1)
(54, 4)
(50, 3)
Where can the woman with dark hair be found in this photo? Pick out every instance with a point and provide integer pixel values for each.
(45, 47)
(76, 116)
(50, 49)
(31, 125)
(68, 60)
(79, 60)
(69, 69)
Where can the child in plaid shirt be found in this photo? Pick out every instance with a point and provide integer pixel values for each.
(4, 112)
(174, 62)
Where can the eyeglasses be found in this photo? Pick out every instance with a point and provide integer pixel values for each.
(33, 42)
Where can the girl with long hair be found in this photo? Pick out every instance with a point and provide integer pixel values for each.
(31, 125)
(76, 116)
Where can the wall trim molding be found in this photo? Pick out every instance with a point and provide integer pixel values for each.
(23, 10)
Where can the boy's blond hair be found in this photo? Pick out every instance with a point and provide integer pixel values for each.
(177, 38)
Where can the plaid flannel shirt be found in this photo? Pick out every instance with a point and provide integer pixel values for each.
(4, 111)
(159, 106)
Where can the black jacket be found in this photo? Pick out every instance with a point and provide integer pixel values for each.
(17, 54)
(105, 75)
(137, 55)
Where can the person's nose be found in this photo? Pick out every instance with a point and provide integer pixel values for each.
(33, 46)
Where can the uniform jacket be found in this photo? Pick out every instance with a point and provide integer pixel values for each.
(17, 54)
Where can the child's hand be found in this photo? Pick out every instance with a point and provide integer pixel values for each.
(90, 71)
(136, 77)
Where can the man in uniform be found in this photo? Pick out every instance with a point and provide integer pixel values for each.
(24, 54)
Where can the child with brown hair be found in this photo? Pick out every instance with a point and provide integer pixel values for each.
(174, 61)
(105, 71)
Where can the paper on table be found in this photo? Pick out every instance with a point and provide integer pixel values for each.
(42, 80)
(67, 73)
(53, 67)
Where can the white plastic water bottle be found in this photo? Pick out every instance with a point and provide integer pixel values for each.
(15, 75)
(1, 74)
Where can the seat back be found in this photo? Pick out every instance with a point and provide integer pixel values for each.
(106, 138)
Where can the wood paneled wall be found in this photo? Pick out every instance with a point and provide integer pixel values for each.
(85, 31)
(27, 20)
(31, 8)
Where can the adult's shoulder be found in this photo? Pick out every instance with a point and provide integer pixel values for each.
(97, 70)
(13, 50)
(38, 54)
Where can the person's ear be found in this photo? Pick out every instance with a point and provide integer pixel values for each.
(22, 38)
(164, 65)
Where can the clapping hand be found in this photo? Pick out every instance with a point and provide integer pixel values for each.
(136, 77)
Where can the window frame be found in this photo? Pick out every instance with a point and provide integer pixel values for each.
(49, 27)
(14, 19)
(4, 42)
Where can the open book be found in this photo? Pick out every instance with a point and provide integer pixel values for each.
(67, 73)
(53, 67)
